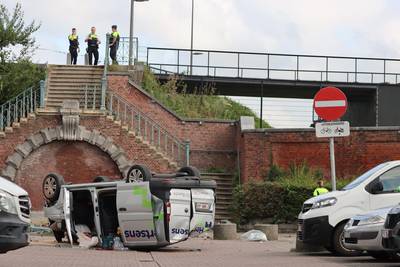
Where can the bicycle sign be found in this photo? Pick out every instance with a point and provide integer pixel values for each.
(332, 129)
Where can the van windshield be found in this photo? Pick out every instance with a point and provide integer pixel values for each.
(364, 177)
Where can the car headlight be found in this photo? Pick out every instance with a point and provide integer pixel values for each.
(373, 220)
(349, 224)
(7, 203)
(324, 203)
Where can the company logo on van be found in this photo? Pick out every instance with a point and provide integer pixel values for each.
(180, 231)
(139, 234)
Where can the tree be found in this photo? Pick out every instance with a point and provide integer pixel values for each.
(17, 46)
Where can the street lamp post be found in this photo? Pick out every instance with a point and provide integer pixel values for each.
(131, 31)
(191, 41)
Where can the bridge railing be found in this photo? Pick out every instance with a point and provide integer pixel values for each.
(212, 63)
(19, 107)
(147, 129)
(123, 50)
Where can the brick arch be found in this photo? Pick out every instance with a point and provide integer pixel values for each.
(49, 135)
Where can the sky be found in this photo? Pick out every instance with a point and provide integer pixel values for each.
(363, 28)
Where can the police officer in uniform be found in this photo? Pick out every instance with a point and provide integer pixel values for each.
(320, 190)
(73, 46)
(114, 44)
(93, 46)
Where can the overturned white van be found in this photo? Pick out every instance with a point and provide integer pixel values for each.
(146, 210)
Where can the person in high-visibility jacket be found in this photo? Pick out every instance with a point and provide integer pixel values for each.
(320, 190)
(93, 46)
(73, 46)
(114, 44)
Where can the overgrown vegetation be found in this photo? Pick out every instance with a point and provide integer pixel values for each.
(17, 45)
(280, 197)
(202, 104)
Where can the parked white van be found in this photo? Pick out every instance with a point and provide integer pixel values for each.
(323, 218)
(14, 216)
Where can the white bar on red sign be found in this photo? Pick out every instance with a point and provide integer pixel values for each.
(330, 103)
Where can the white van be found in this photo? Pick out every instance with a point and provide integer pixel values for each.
(14, 216)
(322, 219)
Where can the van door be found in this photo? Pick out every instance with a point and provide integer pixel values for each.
(385, 190)
(203, 205)
(135, 214)
(67, 213)
(179, 215)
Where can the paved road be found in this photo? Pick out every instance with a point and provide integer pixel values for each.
(192, 253)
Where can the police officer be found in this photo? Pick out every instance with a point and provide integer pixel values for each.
(114, 44)
(73, 46)
(320, 190)
(93, 46)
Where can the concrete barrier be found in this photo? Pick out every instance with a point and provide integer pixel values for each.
(225, 231)
(270, 230)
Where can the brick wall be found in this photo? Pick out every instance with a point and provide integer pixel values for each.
(361, 151)
(213, 143)
(76, 161)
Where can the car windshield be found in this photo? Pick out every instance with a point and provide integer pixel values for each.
(364, 177)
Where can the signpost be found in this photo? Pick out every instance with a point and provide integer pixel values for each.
(330, 104)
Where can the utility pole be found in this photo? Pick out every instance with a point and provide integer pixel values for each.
(191, 41)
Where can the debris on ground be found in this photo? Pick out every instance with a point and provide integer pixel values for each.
(85, 238)
(254, 235)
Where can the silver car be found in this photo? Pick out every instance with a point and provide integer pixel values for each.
(364, 233)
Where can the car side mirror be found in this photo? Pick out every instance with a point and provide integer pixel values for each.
(377, 187)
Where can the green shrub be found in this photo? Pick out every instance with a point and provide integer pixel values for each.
(280, 197)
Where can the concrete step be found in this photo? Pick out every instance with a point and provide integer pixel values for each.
(74, 67)
(74, 80)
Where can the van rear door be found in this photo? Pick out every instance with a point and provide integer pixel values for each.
(203, 205)
(179, 220)
(67, 213)
(135, 214)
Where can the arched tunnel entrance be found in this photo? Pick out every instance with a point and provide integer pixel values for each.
(76, 161)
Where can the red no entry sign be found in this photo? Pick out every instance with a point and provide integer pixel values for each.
(330, 103)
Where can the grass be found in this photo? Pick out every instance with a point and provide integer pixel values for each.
(203, 104)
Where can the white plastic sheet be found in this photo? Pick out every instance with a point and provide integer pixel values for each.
(254, 235)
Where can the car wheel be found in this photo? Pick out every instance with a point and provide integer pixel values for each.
(101, 179)
(138, 173)
(379, 255)
(51, 187)
(338, 243)
(191, 171)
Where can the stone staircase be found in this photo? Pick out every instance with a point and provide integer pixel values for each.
(224, 194)
(67, 82)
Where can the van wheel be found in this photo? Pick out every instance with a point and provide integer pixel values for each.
(338, 243)
(101, 179)
(138, 173)
(191, 171)
(51, 187)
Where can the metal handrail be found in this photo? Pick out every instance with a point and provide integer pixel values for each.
(19, 107)
(148, 129)
(123, 50)
(356, 66)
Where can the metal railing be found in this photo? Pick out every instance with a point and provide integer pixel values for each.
(148, 129)
(273, 66)
(91, 97)
(123, 50)
(19, 107)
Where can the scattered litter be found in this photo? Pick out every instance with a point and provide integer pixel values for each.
(254, 235)
(118, 245)
(40, 230)
(85, 238)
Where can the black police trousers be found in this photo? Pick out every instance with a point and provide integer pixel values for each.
(113, 54)
(74, 55)
(93, 51)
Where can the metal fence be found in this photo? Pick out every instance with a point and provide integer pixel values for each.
(123, 50)
(19, 107)
(147, 129)
(273, 66)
